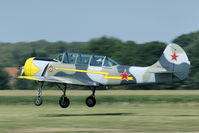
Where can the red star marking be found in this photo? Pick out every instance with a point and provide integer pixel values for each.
(124, 75)
(174, 56)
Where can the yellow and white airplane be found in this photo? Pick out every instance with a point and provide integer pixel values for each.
(94, 71)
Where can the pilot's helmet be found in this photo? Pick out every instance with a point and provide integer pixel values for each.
(99, 61)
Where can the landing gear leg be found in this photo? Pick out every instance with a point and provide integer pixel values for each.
(91, 101)
(64, 102)
(38, 99)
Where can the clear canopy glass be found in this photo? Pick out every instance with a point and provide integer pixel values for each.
(85, 59)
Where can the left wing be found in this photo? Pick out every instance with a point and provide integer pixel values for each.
(58, 80)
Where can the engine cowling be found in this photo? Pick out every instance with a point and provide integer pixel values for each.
(35, 66)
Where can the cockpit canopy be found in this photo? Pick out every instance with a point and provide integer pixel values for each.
(85, 59)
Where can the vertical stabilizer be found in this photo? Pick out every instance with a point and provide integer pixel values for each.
(174, 60)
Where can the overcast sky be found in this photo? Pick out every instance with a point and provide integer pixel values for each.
(81, 20)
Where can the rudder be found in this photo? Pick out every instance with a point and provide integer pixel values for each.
(175, 60)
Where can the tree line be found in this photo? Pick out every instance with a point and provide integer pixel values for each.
(125, 53)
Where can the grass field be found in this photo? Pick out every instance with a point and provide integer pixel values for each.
(98, 92)
(105, 117)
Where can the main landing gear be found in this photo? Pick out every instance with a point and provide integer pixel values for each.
(64, 102)
(91, 101)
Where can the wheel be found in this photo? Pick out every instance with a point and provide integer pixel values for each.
(64, 102)
(90, 101)
(38, 101)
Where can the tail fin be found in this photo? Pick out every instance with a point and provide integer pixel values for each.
(173, 60)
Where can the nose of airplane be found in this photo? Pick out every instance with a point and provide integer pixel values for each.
(30, 68)
(35, 66)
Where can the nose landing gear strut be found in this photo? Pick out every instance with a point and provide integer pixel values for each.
(38, 100)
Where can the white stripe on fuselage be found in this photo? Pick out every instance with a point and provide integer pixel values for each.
(97, 77)
(139, 72)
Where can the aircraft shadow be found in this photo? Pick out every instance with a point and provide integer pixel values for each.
(171, 115)
(185, 115)
(103, 114)
(113, 114)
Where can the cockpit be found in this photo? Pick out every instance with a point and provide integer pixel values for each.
(85, 59)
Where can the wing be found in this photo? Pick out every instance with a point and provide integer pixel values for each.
(56, 79)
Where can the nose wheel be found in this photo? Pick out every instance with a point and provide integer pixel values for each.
(91, 101)
(38, 100)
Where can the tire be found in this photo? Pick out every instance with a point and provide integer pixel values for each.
(64, 102)
(38, 101)
(90, 101)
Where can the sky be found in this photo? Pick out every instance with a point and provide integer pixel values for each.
(81, 20)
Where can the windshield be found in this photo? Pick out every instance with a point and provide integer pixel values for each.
(59, 57)
(85, 59)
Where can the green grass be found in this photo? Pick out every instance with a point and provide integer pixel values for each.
(79, 100)
(115, 112)
(104, 118)
(98, 92)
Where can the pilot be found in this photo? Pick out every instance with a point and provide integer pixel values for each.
(99, 62)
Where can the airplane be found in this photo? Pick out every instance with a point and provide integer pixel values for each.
(95, 71)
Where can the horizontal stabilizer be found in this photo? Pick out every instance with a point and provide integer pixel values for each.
(159, 71)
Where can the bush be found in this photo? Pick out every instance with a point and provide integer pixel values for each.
(4, 80)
